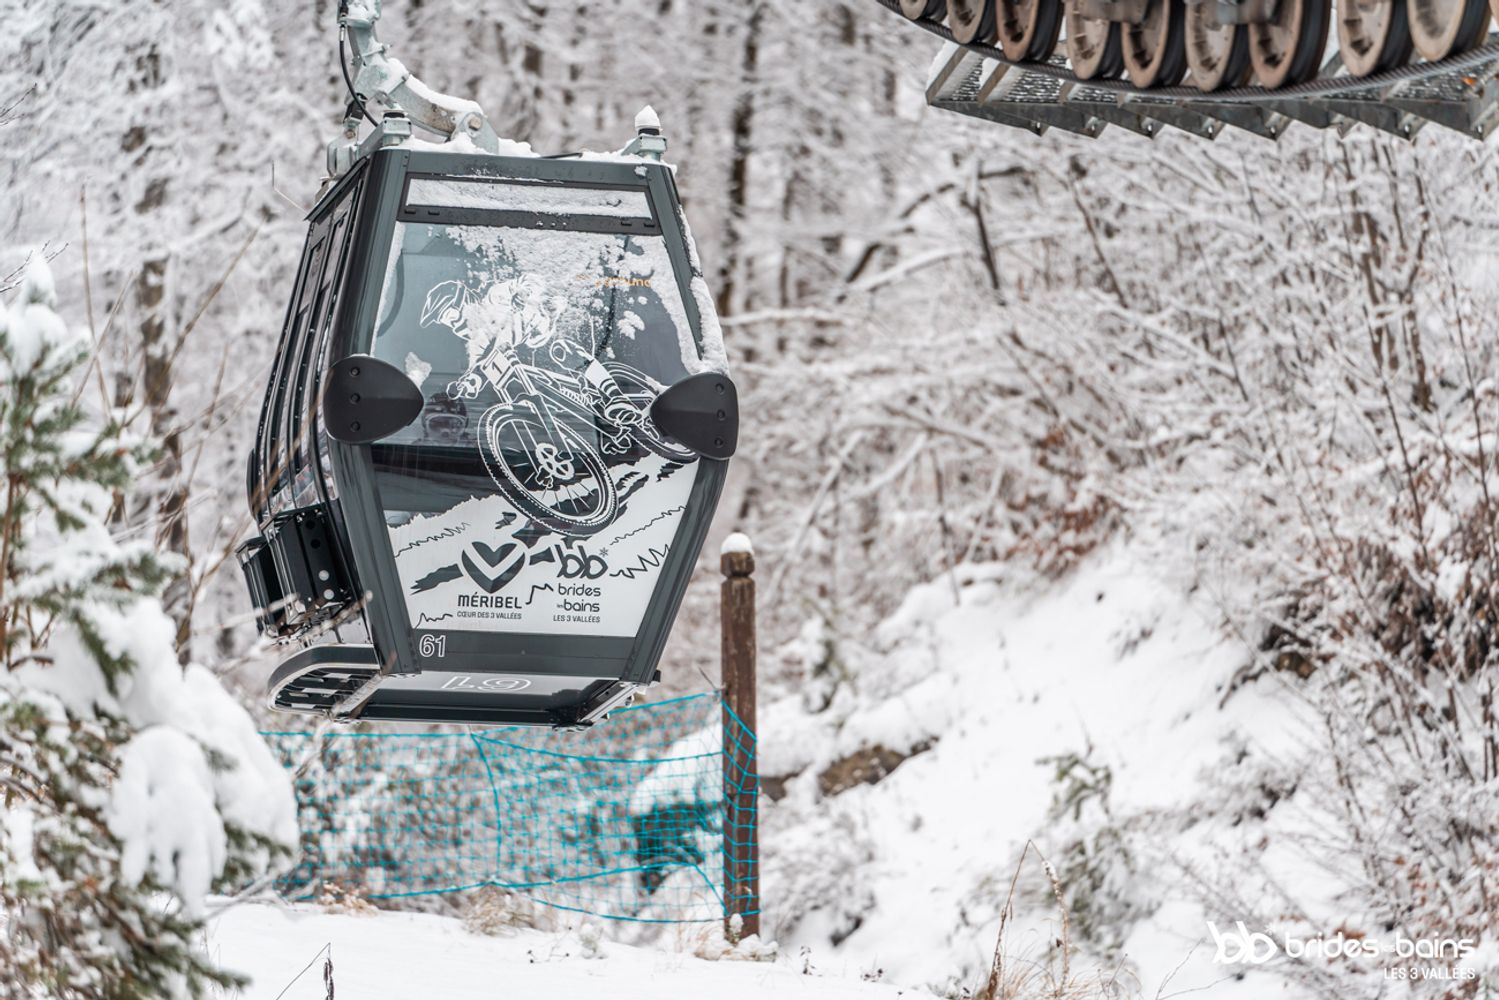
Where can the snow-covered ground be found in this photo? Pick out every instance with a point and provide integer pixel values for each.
(980, 682)
(412, 956)
(900, 881)
(1110, 664)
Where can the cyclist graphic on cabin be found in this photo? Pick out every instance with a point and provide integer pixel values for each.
(563, 416)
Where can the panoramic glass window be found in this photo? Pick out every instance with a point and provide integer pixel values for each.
(534, 493)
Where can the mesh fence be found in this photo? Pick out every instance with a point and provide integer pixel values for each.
(634, 819)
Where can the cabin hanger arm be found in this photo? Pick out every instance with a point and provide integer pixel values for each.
(382, 78)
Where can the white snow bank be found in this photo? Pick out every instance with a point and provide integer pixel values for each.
(908, 874)
(401, 956)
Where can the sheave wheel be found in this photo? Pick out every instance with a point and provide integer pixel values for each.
(971, 21)
(1155, 52)
(1093, 46)
(1373, 35)
(918, 9)
(1028, 29)
(1441, 28)
(1218, 55)
(1287, 49)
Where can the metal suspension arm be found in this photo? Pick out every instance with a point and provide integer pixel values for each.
(380, 77)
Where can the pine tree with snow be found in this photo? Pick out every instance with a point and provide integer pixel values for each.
(130, 787)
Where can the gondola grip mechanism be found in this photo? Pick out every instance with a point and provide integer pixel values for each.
(381, 77)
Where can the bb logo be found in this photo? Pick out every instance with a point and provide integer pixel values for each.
(580, 565)
(1242, 945)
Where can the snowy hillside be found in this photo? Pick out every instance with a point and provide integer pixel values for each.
(406, 956)
(985, 684)
(981, 683)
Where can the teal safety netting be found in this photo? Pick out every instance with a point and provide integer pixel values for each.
(637, 818)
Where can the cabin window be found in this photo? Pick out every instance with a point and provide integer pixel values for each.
(280, 473)
(317, 437)
(533, 493)
(268, 449)
(308, 376)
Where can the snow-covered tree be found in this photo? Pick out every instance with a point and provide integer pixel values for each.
(129, 787)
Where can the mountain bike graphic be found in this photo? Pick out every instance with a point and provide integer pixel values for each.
(548, 442)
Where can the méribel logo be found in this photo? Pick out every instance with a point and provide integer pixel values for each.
(1241, 945)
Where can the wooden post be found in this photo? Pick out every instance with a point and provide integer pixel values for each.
(741, 779)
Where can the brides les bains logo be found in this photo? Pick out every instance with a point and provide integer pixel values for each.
(1242, 945)
(1238, 945)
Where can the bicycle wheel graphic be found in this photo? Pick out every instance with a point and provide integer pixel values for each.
(552, 475)
(640, 389)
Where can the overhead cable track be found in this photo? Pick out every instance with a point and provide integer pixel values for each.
(1459, 93)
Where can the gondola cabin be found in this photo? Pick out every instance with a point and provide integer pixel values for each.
(492, 441)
